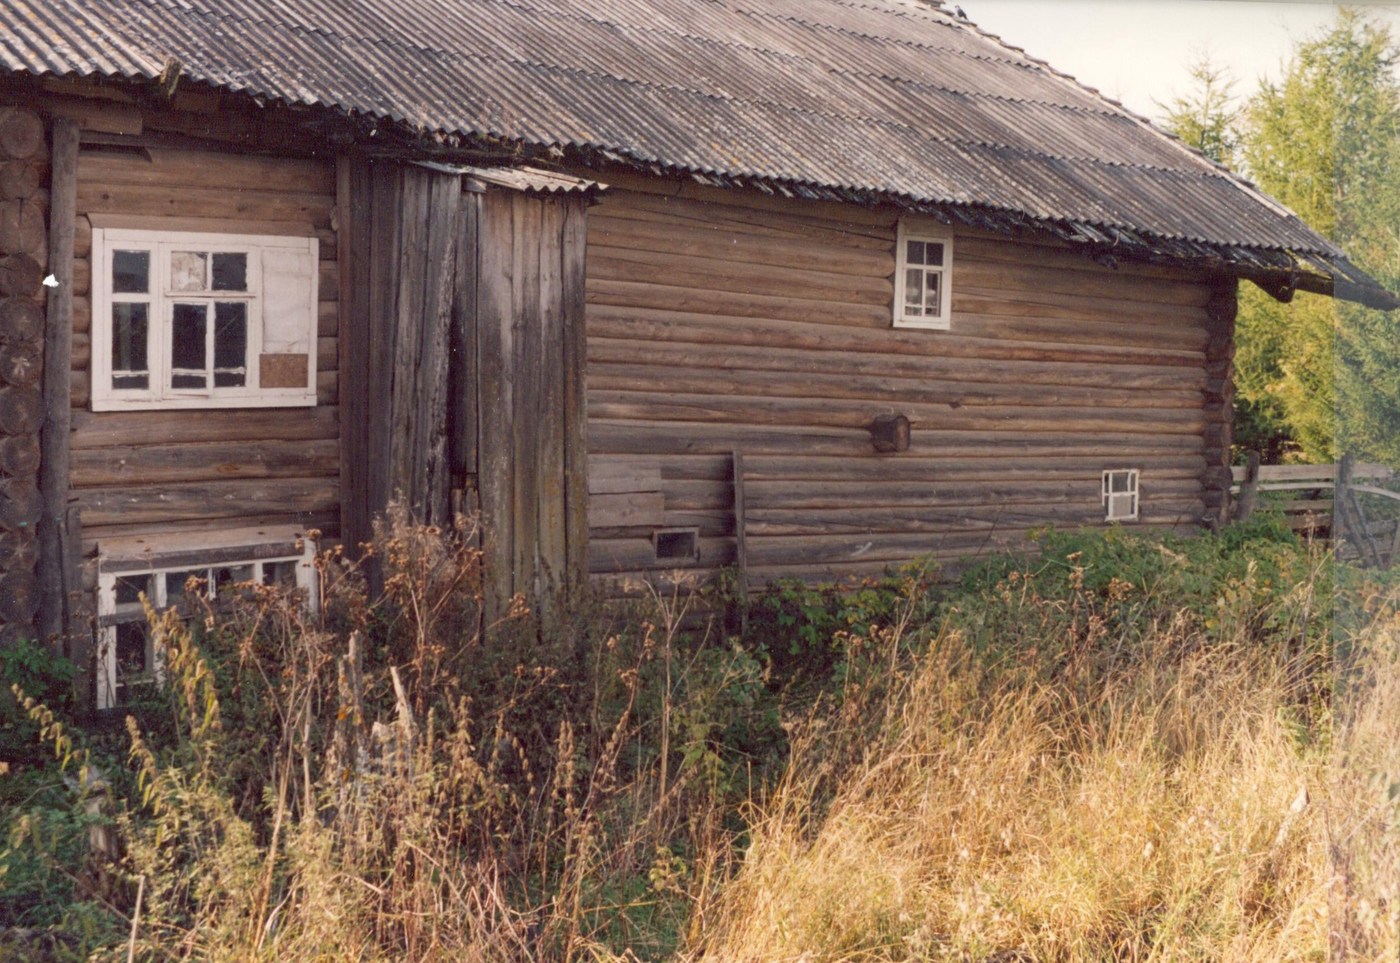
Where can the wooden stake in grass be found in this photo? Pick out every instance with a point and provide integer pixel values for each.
(135, 921)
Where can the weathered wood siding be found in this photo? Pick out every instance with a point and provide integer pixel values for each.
(763, 328)
(139, 472)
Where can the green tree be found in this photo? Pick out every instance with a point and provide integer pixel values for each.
(1207, 117)
(1324, 142)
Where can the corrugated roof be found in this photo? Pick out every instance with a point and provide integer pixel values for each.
(846, 98)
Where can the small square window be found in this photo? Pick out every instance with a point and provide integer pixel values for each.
(194, 320)
(676, 544)
(922, 279)
(1120, 494)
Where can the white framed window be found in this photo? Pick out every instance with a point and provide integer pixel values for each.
(1120, 494)
(186, 320)
(923, 279)
(129, 655)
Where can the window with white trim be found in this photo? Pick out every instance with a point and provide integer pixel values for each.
(129, 654)
(923, 279)
(184, 320)
(1120, 495)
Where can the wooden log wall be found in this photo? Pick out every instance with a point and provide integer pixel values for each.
(24, 261)
(718, 325)
(152, 472)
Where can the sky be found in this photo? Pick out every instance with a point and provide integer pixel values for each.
(1138, 51)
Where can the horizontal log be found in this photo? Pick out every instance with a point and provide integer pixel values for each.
(204, 461)
(775, 357)
(902, 468)
(734, 304)
(184, 169)
(21, 179)
(21, 363)
(640, 437)
(685, 239)
(227, 500)
(620, 405)
(1061, 257)
(19, 455)
(1013, 277)
(610, 555)
(609, 477)
(21, 410)
(19, 596)
(626, 509)
(918, 518)
(863, 494)
(115, 429)
(21, 319)
(1012, 303)
(648, 323)
(21, 505)
(21, 133)
(24, 229)
(163, 201)
(20, 276)
(839, 224)
(875, 389)
(328, 523)
(655, 267)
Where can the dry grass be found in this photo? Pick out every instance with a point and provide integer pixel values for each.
(1199, 801)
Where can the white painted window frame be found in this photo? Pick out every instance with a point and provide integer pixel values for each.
(1112, 500)
(905, 233)
(159, 394)
(302, 553)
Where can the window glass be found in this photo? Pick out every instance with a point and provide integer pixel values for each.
(187, 346)
(131, 272)
(230, 343)
(130, 326)
(188, 271)
(231, 272)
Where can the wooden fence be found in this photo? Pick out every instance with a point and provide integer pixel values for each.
(1324, 502)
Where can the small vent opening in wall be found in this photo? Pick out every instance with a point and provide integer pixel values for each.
(676, 544)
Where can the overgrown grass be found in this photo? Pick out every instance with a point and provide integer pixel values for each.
(1121, 749)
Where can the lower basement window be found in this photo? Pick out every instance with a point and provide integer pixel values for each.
(129, 654)
(1120, 494)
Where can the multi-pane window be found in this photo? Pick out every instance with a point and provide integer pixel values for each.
(129, 654)
(1120, 494)
(202, 320)
(923, 276)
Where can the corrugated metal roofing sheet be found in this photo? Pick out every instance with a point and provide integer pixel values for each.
(892, 97)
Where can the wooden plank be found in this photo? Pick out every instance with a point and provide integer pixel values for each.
(114, 429)
(465, 375)
(627, 510)
(887, 390)
(573, 245)
(206, 500)
(163, 167)
(444, 199)
(741, 532)
(385, 234)
(495, 313)
(653, 267)
(353, 221)
(161, 201)
(324, 522)
(204, 461)
(529, 374)
(56, 549)
(646, 322)
(550, 479)
(609, 477)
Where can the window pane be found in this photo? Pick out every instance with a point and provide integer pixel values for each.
(230, 575)
(130, 324)
(230, 272)
(131, 650)
(913, 291)
(281, 574)
(188, 271)
(130, 587)
(934, 254)
(933, 283)
(230, 344)
(914, 252)
(187, 346)
(175, 583)
(131, 272)
(1120, 481)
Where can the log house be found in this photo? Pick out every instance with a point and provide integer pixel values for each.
(802, 321)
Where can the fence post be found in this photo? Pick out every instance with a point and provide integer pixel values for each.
(1249, 488)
